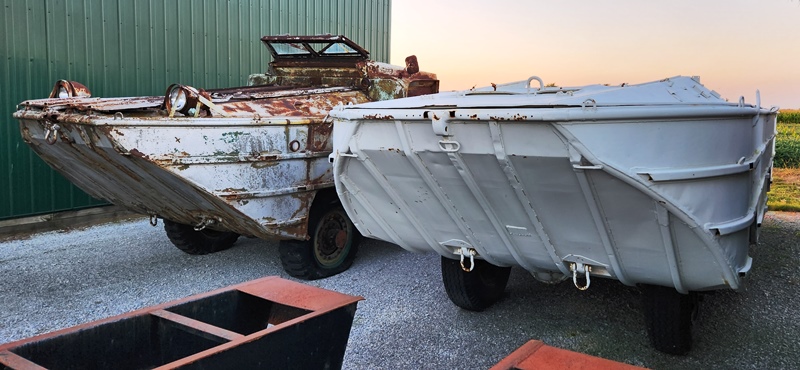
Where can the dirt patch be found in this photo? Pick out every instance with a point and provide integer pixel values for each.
(787, 175)
(784, 194)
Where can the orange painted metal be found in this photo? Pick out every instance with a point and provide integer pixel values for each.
(536, 355)
(264, 323)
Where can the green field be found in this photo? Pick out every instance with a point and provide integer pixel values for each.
(784, 195)
(789, 116)
(785, 192)
(787, 146)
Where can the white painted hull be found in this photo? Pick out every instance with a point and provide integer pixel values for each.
(664, 194)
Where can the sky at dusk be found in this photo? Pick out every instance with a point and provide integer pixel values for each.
(735, 46)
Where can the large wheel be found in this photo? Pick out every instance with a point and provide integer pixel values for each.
(205, 241)
(670, 317)
(475, 290)
(331, 248)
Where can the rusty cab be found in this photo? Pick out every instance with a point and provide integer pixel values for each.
(219, 163)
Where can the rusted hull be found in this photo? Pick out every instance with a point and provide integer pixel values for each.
(264, 323)
(253, 176)
(247, 159)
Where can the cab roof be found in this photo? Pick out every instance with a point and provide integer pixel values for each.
(338, 47)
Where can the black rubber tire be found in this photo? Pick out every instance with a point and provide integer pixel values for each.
(475, 290)
(331, 248)
(670, 317)
(198, 242)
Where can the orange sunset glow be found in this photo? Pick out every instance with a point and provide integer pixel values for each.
(736, 47)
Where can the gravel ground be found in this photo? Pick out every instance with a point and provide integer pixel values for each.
(60, 279)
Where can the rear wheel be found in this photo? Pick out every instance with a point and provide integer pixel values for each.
(331, 248)
(670, 317)
(475, 290)
(205, 241)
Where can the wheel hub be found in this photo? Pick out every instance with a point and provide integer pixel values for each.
(340, 239)
(332, 239)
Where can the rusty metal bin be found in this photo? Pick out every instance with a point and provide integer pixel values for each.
(264, 323)
(537, 355)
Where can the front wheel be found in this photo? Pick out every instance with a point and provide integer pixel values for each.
(475, 290)
(331, 249)
(670, 317)
(205, 241)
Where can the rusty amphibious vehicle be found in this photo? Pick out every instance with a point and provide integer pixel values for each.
(219, 163)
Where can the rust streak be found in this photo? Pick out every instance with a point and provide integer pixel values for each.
(379, 117)
(136, 153)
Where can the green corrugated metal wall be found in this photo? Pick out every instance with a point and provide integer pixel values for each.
(139, 47)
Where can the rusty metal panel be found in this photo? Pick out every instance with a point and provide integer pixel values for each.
(536, 355)
(261, 324)
(137, 48)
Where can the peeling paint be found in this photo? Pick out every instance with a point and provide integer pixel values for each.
(231, 137)
(135, 152)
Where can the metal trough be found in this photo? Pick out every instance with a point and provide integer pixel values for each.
(537, 355)
(264, 323)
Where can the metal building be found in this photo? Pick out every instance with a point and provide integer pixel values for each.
(133, 48)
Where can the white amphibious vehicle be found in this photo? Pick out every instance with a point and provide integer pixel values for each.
(661, 184)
